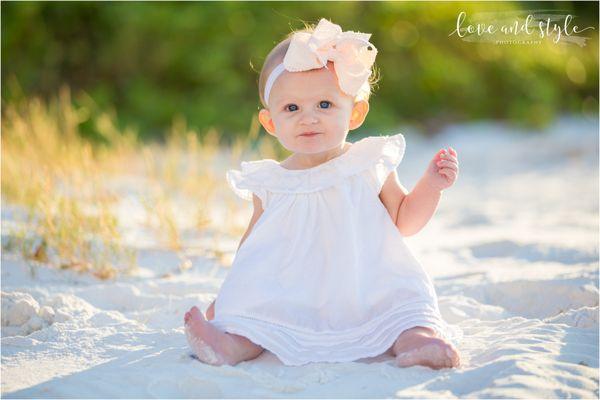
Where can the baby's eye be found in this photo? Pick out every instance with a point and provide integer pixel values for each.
(291, 107)
(325, 104)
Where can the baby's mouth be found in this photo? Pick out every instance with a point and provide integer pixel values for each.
(309, 134)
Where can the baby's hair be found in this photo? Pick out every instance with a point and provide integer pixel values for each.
(277, 54)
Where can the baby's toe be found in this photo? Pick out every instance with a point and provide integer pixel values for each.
(195, 312)
(453, 356)
(448, 363)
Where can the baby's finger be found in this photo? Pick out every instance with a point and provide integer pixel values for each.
(448, 164)
(448, 156)
(448, 172)
(452, 151)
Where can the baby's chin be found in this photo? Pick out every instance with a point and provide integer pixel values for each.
(313, 145)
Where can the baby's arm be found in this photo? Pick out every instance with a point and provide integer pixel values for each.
(258, 210)
(409, 211)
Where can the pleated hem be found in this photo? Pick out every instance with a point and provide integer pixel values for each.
(298, 347)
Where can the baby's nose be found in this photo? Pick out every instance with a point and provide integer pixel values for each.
(309, 117)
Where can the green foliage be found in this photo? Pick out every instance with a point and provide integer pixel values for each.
(154, 62)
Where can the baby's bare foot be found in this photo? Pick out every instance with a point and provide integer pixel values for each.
(429, 351)
(210, 345)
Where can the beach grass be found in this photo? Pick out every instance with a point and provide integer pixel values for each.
(69, 188)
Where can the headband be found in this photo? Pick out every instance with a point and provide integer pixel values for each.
(351, 53)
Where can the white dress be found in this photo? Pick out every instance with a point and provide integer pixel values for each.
(325, 275)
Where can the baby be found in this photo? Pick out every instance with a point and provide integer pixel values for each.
(322, 273)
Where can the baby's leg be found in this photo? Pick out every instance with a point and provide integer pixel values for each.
(421, 346)
(213, 346)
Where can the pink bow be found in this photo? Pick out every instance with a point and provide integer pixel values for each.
(350, 52)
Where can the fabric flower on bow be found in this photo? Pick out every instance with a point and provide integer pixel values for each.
(351, 53)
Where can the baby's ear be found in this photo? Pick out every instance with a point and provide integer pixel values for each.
(359, 113)
(264, 116)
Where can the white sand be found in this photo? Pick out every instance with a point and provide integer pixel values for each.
(512, 249)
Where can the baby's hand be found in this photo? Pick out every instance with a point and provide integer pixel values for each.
(442, 170)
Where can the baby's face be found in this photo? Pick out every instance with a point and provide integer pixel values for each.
(310, 101)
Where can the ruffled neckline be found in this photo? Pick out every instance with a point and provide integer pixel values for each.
(318, 167)
(378, 152)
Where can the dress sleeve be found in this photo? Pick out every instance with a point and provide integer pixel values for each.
(389, 152)
(246, 181)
